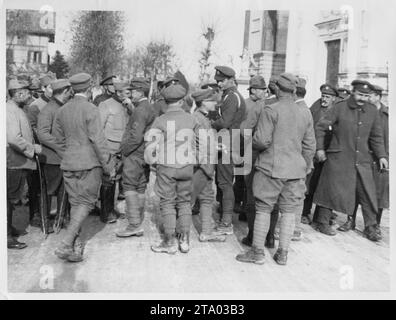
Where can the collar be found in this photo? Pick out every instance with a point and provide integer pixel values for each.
(298, 100)
(58, 102)
(44, 97)
(142, 102)
(228, 90)
(81, 95)
(174, 109)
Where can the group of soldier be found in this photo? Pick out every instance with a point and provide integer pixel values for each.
(66, 144)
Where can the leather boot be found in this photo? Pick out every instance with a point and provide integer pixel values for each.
(270, 240)
(78, 251)
(107, 205)
(350, 224)
(133, 213)
(13, 243)
(372, 234)
(64, 251)
(280, 257)
(167, 245)
(184, 242)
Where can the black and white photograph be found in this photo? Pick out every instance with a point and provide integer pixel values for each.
(193, 149)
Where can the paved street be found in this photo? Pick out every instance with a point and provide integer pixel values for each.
(316, 264)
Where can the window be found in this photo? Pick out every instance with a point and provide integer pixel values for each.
(34, 57)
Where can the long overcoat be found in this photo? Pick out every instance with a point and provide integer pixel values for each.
(356, 131)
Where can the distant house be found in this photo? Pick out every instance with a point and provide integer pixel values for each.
(27, 37)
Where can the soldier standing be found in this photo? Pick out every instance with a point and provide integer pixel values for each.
(108, 87)
(50, 158)
(21, 150)
(205, 101)
(232, 109)
(114, 115)
(85, 158)
(347, 175)
(136, 172)
(174, 170)
(318, 110)
(284, 135)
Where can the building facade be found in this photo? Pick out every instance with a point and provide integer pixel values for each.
(335, 46)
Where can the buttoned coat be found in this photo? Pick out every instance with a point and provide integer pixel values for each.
(356, 131)
(34, 110)
(45, 123)
(79, 132)
(20, 141)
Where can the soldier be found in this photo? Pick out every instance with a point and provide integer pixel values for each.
(232, 111)
(301, 92)
(381, 177)
(21, 150)
(108, 87)
(50, 158)
(318, 111)
(114, 114)
(347, 175)
(136, 172)
(206, 101)
(86, 156)
(284, 135)
(174, 171)
(343, 93)
(254, 107)
(273, 91)
(37, 105)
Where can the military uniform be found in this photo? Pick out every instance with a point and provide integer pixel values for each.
(318, 112)
(232, 112)
(114, 117)
(86, 156)
(174, 174)
(136, 172)
(347, 176)
(50, 157)
(204, 171)
(284, 135)
(20, 157)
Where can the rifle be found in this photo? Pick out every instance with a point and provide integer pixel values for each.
(43, 198)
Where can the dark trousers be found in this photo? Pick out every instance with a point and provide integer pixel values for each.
(33, 182)
(312, 183)
(369, 213)
(240, 190)
(224, 179)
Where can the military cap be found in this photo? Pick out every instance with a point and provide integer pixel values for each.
(204, 94)
(173, 93)
(224, 72)
(121, 84)
(257, 82)
(343, 91)
(212, 85)
(170, 80)
(60, 84)
(140, 83)
(376, 89)
(287, 81)
(80, 81)
(301, 83)
(46, 79)
(328, 89)
(17, 84)
(362, 86)
(35, 84)
(107, 81)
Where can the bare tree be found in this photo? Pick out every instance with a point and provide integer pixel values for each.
(208, 34)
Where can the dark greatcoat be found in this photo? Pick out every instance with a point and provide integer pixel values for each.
(356, 131)
(382, 177)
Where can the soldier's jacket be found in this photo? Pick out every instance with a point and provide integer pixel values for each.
(160, 107)
(34, 109)
(253, 111)
(139, 122)
(114, 117)
(206, 147)
(178, 130)
(301, 102)
(318, 112)
(271, 100)
(100, 98)
(46, 118)
(78, 131)
(232, 110)
(286, 140)
(20, 149)
(356, 131)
